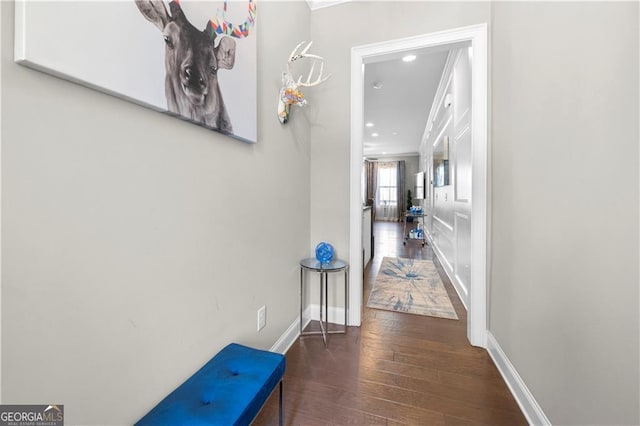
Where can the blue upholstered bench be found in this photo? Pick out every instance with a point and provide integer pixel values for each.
(229, 390)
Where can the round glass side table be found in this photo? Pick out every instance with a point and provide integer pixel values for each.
(337, 265)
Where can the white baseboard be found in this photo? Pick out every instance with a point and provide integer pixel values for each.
(287, 339)
(519, 390)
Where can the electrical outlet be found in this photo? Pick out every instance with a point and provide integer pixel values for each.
(262, 317)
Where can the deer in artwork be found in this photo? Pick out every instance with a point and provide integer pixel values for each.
(290, 93)
(192, 61)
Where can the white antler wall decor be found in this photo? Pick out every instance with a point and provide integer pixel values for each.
(290, 93)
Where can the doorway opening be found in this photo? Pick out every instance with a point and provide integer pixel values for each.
(476, 35)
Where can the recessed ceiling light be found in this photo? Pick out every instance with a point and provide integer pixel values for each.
(375, 135)
(369, 124)
(409, 58)
(377, 85)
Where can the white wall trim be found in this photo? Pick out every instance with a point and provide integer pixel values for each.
(438, 98)
(320, 4)
(477, 35)
(477, 318)
(355, 208)
(528, 404)
(443, 223)
(287, 339)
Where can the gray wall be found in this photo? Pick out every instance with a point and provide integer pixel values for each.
(564, 272)
(136, 245)
(564, 280)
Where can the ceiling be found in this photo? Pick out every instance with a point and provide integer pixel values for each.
(400, 107)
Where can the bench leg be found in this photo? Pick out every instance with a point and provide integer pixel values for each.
(281, 420)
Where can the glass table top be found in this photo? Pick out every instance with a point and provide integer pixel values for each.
(314, 264)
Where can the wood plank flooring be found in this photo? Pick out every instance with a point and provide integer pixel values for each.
(396, 369)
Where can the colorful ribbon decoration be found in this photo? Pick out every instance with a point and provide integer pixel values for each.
(220, 25)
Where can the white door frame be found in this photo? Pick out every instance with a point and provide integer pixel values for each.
(477, 35)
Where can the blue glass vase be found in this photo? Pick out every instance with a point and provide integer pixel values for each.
(324, 252)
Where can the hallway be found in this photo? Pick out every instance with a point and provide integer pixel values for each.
(396, 368)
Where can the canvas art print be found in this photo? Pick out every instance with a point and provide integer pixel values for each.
(194, 59)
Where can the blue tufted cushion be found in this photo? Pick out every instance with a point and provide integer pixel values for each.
(229, 390)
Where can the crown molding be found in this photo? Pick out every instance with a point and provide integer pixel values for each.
(319, 4)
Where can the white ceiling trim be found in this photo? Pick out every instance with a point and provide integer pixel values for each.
(319, 4)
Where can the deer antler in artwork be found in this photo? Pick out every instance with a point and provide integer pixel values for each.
(220, 25)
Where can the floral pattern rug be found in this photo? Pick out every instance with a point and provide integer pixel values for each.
(412, 286)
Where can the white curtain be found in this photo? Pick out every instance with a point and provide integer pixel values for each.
(387, 191)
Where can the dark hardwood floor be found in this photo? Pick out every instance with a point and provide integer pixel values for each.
(396, 368)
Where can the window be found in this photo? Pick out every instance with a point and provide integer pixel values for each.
(387, 184)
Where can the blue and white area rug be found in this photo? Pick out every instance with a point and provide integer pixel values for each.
(411, 286)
